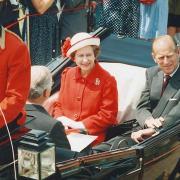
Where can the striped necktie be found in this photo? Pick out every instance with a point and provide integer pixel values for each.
(165, 83)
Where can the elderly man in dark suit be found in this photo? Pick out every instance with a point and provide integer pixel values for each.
(37, 117)
(159, 105)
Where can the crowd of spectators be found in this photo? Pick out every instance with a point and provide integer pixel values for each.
(44, 25)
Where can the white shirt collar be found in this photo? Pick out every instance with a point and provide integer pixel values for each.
(173, 72)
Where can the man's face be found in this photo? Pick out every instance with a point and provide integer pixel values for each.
(167, 58)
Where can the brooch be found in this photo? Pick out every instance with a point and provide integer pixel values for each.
(97, 82)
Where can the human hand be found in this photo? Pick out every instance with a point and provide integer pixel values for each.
(154, 123)
(142, 134)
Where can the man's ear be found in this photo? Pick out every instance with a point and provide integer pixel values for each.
(178, 51)
(153, 56)
(45, 93)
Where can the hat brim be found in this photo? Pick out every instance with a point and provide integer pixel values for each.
(86, 42)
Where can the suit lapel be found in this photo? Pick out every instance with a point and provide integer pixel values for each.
(171, 89)
(173, 85)
(157, 86)
(176, 79)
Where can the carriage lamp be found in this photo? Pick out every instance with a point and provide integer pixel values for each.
(36, 157)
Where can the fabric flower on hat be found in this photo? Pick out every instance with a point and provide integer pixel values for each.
(66, 46)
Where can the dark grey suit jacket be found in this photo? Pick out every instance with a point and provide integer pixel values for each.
(152, 104)
(38, 118)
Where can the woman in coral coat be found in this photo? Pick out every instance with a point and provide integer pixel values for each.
(88, 97)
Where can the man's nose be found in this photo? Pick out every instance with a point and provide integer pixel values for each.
(166, 60)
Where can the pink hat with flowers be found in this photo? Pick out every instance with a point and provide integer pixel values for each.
(78, 41)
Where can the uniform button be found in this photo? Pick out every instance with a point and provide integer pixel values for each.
(78, 98)
(83, 80)
(76, 116)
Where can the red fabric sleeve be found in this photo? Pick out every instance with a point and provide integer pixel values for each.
(17, 82)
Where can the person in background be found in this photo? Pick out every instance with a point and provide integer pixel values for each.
(43, 30)
(121, 17)
(153, 19)
(174, 17)
(75, 17)
(15, 83)
(37, 117)
(88, 97)
(10, 15)
(160, 101)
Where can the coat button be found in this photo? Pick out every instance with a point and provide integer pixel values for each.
(76, 116)
(78, 98)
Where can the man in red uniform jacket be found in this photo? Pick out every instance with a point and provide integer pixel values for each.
(14, 82)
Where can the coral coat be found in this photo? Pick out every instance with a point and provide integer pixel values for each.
(92, 100)
(14, 77)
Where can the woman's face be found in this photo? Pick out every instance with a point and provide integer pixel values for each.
(85, 59)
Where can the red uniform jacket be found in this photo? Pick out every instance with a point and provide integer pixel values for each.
(92, 100)
(14, 77)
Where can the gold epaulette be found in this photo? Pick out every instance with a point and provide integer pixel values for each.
(2, 39)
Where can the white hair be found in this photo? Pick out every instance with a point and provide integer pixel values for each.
(41, 79)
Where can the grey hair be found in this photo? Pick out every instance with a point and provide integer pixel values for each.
(41, 79)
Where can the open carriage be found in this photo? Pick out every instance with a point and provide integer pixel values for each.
(156, 157)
